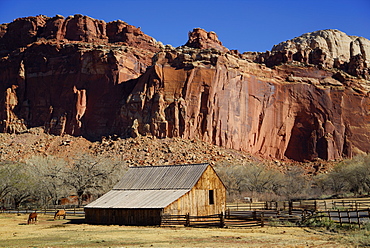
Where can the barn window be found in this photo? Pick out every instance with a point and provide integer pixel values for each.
(211, 197)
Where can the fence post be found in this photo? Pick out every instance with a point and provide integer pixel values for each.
(315, 205)
(187, 220)
(254, 215)
(222, 220)
(358, 219)
(340, 218)
(262, 220)
(290, 207)
(349, 216)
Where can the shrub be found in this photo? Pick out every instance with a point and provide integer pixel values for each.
(319, 221)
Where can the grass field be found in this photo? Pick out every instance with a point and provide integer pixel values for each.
(72, 232)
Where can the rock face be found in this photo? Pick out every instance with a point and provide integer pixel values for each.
(324, 48)
(306, 99)
(24, 31)
(202, 39)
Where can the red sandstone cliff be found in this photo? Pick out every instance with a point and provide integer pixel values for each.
(308, 98)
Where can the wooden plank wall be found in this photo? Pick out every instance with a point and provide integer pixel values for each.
(196, 201)
(135, 217)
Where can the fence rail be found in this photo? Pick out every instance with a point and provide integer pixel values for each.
(219, 220)
(358, 217)
(310, 205)
(266, 217)
(70, 210)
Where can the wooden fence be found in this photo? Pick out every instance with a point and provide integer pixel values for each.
(358, 217)
(217, 220)
(234, 219)
(71, 210)
(309, 205)
(266, 218)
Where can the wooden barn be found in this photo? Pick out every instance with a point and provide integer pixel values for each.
(144, 194)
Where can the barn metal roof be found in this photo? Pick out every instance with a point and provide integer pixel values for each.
(161, 177)
(151, 186)
(137, 199)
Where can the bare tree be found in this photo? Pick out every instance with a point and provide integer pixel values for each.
(88, 175)
(226, 172)
(17, 182)
(258, 178)
(49, 170)
(249, 178)
(293, 184)
(7, 182)
(351, 175)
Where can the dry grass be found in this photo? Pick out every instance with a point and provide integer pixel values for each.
(14, 232)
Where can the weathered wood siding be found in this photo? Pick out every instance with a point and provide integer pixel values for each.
(196, 201)
(133, 217)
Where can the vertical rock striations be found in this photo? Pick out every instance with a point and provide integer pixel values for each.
(294, 112)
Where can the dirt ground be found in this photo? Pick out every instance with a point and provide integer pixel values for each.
(71, 232)
(141, 151)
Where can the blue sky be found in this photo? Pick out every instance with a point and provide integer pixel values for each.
(245, 25)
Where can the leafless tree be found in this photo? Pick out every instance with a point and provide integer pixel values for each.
(9, 172)
(249, 178)
(17, 182)
(293, 184)
(50, 171)
(349, 176)
(87, 175)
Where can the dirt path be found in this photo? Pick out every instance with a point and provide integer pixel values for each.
(14, 232)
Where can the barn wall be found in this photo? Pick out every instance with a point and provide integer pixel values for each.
(196, 201)
(134, 217)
